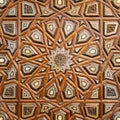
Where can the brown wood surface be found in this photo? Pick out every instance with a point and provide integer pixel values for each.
(59, 60)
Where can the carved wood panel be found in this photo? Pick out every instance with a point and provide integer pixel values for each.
(59, 60)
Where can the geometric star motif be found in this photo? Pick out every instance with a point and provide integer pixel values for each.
(60, 60)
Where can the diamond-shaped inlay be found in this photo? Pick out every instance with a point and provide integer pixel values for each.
(10, 28)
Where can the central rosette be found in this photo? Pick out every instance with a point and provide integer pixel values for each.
(60, 60)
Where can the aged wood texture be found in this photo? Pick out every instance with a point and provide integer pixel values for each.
(59, 59)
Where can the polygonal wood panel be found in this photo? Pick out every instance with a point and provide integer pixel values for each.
(59, 60)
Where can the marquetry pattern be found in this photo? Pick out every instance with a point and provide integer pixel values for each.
(59, 60)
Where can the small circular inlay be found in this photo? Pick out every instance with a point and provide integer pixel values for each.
(27, 68)
(51, 92)
(27, 51)
(36, 36)
(118, 118)
(108, 74)
(69, 92)
(74, 108)
(1, 1)
(117, 60)
(92, 69)
(84, 84)
(83, 36)
(36, 83)
(60, 2)
(118, 1)
(1, 118)
(51, 27)
(46, 107)
(60, 117)
(2, 60)
(93, 51)
(68, 27)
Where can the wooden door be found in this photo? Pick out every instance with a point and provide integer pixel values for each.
(59, 60)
